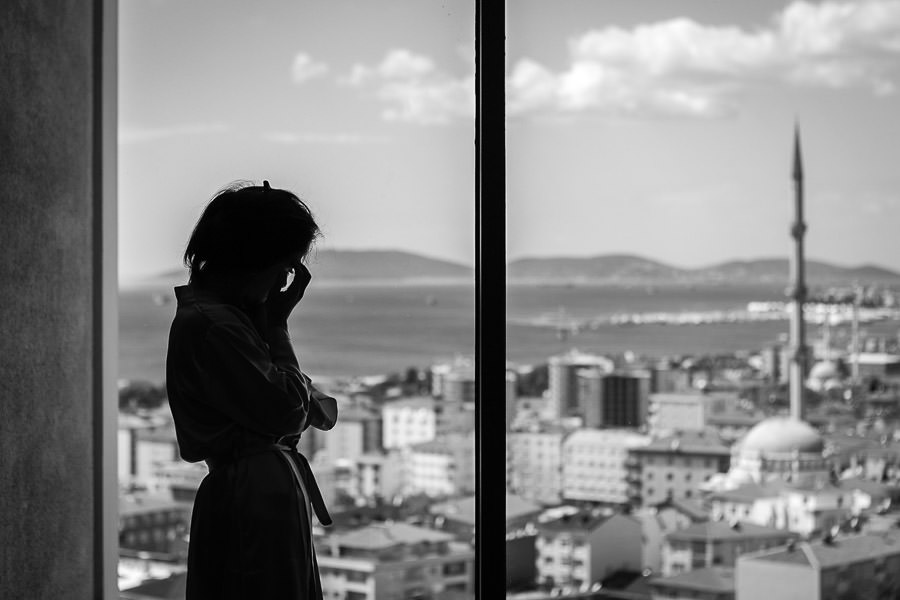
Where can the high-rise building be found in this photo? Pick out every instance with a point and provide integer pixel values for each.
(459, 385)
(563, 375)
(612, 399)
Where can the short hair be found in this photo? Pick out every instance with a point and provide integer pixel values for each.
(248, 227)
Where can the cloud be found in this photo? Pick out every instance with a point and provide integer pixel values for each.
(682, 68)
(283, 137)
(414, 89)
(305, 68)
(136, 135)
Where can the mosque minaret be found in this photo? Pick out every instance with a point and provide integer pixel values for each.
(785, 448)
(798, 280)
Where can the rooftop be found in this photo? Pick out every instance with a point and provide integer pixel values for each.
(414, 402)
(449, 443)
(750, 492)
(688, 442)
(692, 510)
(388, 535)
(171, 588)
(721, 530)
(610, 436)
(163, 434)
(357, 413)
(877, 358)
(463, 509)
(140, 504)
(583, 520)
(734, 418)
(867, 486)
(710, 579)
(841, 551)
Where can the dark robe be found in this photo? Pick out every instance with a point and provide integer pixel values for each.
(240, 402)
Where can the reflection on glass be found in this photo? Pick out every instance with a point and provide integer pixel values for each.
(686, 415)
(370, 121)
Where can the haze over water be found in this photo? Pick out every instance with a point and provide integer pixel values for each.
(356, 330)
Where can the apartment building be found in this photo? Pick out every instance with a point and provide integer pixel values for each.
(444, 466)
(674, 466)
(586, 547)
(595, 464)
(833, 568)
(393, 561)
(717, 543)
(535, 463)
(408, 421)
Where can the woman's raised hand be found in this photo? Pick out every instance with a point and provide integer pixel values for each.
(280, 304)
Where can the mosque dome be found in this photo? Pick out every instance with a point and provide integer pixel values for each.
(779, 435)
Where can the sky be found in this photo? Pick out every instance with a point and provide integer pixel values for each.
(658, 128)
(363, 109)
(665, 129)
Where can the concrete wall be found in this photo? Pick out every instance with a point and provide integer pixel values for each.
(755, 579)
(616, 546)
(56, 303)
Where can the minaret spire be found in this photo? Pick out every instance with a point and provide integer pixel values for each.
(798, 280)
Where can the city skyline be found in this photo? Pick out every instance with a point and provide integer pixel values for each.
(661, 130)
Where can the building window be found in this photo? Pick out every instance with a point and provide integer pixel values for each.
(458, 568)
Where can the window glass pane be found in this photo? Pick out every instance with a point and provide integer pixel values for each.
(366, 112)
(679, 174)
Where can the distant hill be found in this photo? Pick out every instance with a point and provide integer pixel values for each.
(612, 267)
(397, 265)
(383, 264)
(360, 265)
(627, 269)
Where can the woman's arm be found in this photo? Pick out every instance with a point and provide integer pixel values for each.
(259, 388)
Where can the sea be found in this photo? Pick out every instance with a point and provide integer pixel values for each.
(356, 330)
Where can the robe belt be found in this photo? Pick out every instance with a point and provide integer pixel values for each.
(300, 470)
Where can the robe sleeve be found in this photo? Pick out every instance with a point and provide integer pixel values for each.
(260, 388)
(322, 410)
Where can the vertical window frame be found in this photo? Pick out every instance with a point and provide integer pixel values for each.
(490, 300)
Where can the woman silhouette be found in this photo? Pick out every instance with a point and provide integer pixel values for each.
(240, 401)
